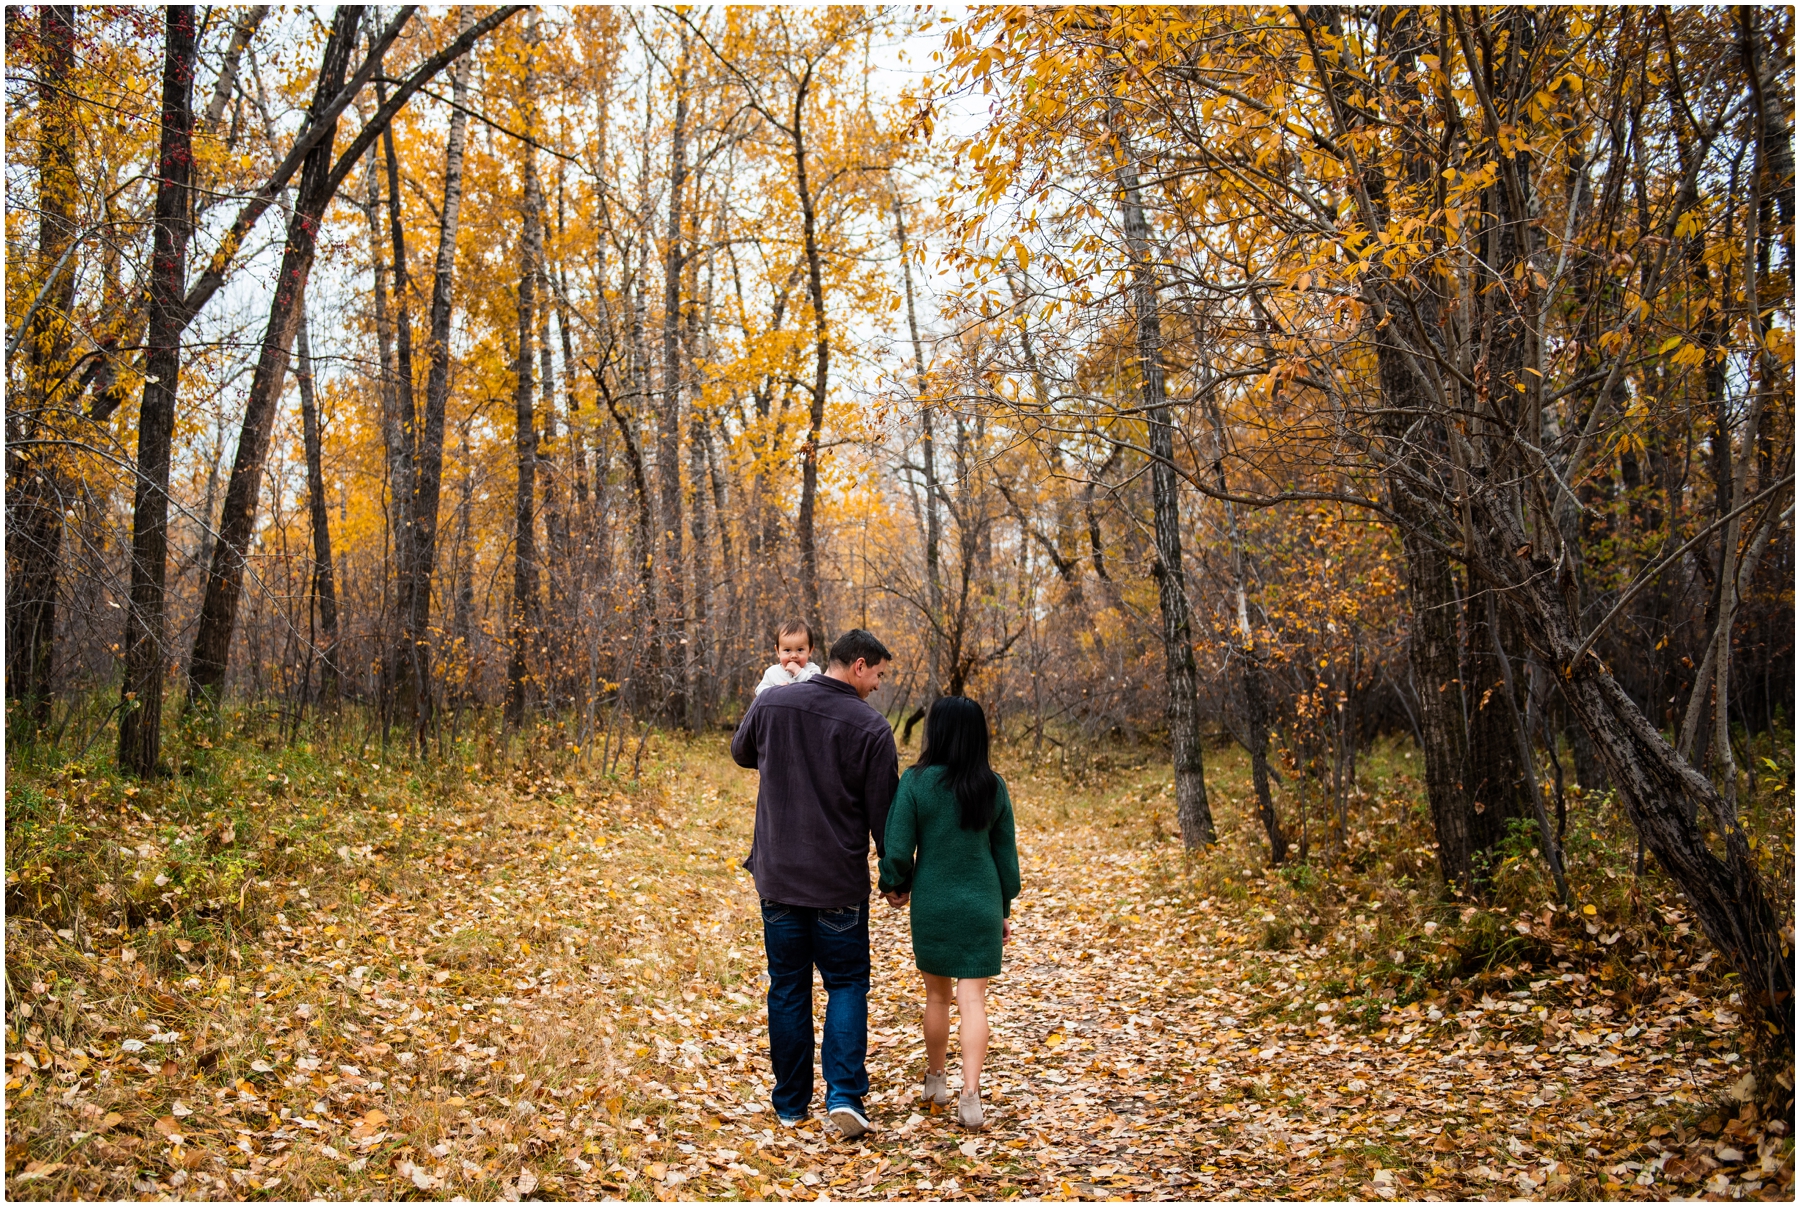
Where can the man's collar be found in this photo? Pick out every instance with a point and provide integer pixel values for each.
(831, 682)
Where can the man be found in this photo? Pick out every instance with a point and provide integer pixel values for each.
(829, 769)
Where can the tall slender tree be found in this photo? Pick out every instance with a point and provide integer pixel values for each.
(422, 525)
(1193, 812)
(523, 624)
(140, 725)
(324, 581)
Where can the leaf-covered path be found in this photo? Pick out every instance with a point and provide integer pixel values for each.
(556, 993)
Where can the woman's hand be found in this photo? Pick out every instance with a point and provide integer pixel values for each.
(1006, 930)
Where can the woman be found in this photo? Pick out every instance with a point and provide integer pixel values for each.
(950, 846)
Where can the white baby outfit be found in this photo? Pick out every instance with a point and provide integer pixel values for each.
(780, 676)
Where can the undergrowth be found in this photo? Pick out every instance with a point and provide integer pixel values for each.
(1383, 932)
(185, 861)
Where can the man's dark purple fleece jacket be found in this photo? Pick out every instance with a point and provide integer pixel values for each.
(829, 769)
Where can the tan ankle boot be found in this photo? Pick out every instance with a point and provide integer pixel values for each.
(936, 1091)
(968, 1112)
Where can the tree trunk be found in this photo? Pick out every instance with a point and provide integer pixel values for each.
(462, 613)
(524, 601)
(578, 463)
(645, 543)
(33, 476)
(679, 646)
(700, 634)
(1256, 702)
(934, 574)
(324, 584)
(225, 581)
(390, 413)
(249, 19)
(815, 416)
(556, 638)
(1495, 776)
(422, 519)
(732, 623)
(209, 507)
(401, 686)
(1418, 450)
(647, 681)
(140, 723)
(1193, 813)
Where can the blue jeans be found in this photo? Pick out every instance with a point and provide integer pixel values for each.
(836, 941)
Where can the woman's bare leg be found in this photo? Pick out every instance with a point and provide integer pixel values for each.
(972, 1030)
(937, 1022)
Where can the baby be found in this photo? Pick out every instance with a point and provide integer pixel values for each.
(793, 657)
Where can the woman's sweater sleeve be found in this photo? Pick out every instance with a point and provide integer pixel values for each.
(1006, 851)
(902, 840)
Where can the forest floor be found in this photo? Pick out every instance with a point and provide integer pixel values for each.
(540, 984)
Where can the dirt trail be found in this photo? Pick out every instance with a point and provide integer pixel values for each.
(559, 995)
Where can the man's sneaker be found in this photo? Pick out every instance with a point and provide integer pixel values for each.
(850, 1122)
(796, 1121)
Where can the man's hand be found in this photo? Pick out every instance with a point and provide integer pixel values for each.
(1006, 930)
(897, 900)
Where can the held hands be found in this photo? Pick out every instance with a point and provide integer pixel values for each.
(897, 900)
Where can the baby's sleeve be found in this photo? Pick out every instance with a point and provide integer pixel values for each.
(775, 676)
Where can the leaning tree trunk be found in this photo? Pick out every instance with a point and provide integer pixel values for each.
(225, 580)
(422, 520)
(1192, 811)
(1656, 786)
(140, 724)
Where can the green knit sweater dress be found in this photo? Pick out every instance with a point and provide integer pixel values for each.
(962, 881)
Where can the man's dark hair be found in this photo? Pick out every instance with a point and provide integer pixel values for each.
(796, 626)
(859, 643)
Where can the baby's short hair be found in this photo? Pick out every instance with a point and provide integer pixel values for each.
(795, 626)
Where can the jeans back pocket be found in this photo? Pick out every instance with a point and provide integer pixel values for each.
(841, 920)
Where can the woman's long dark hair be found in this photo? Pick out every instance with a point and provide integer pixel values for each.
(956, 739)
